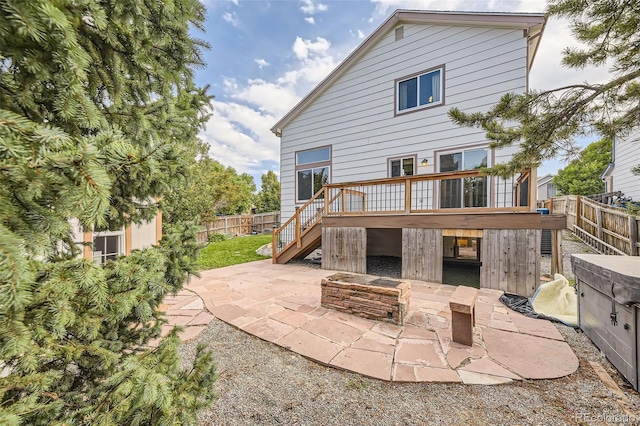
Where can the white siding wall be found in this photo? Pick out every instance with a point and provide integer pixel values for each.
(143, 236)
(356, 114)
(627, 156)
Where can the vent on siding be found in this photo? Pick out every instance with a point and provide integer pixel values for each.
(399, 33)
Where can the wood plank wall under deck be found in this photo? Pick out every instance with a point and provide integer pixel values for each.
(511, 260)
(422, 254)
(344, 249)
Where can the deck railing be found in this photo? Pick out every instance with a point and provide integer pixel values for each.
(448, 192)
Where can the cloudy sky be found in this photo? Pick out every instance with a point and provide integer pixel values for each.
(266, 55)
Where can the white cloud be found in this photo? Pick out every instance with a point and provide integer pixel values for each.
(302, 48)
(270, 98)
(239, 136)
(547, 71)
(310, 20)
(239, 129)
(261, 63)
(231, 18)
(309, 7)
(361, 35)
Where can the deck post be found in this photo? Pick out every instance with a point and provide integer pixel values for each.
(533, 189)
(407, 196)
(297, 227)
(326, 201)
(274, 251)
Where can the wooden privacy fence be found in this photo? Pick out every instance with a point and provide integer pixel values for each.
(608, 229)
(240, 225)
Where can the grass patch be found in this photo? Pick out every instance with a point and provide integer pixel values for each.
(232, 252)
(356, 384)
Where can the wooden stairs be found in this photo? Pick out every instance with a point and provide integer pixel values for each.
(308, 242)
(302, 233)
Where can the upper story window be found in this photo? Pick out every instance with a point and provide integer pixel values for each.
(420, 90)
(313, 168)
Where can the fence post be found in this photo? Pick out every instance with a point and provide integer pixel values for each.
(578, 212)
(599, 222)
(633, 236)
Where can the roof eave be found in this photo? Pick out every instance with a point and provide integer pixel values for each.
(532, 22)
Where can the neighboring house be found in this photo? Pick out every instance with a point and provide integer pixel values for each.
(379, 121)
(626, 156)
(107, 245)
(546, 187)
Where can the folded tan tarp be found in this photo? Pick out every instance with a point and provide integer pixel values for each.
(557, 299)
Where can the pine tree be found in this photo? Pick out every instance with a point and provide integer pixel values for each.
(544, 123)
(97, 104)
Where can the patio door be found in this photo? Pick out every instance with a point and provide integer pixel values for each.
(464, 192)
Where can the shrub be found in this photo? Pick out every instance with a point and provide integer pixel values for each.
(216, 238)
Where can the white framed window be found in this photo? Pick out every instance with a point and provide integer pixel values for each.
(107, 245)
(464, 192)
(313, 170)
(421, 90)
(402, 166)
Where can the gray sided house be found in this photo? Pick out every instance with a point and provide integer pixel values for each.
(546, 187)
(371, 164)
(626, 156)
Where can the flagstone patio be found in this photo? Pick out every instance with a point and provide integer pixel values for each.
(281, 304)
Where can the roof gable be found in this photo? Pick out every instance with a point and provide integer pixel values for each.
(532, 23)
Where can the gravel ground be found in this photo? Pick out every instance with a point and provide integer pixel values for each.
(262, 384)
(570, 245)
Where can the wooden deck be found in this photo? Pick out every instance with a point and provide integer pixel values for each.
(342, 215)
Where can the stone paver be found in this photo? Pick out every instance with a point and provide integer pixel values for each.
(473, 378)
(187, 310)
(334, 331)
(310, 345)
(281, 304)
(423, 352)
(373, 364)
(374, 345)
(528, 356)
(487, 366)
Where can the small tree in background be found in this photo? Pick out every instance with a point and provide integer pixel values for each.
(97, 105)
(582, 175)
(210, 189)
(268, 199)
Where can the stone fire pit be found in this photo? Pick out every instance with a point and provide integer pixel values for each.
(367, 296)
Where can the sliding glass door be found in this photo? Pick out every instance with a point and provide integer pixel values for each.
(464, 192)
